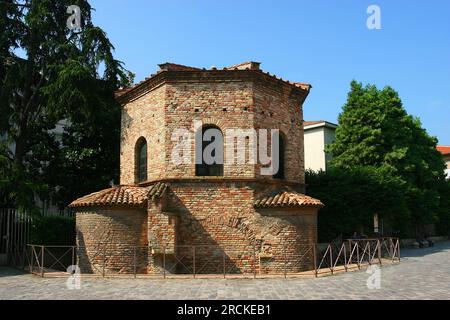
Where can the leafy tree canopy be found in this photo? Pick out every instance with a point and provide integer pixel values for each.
(352, 196)
(52, 76)
(376, 131)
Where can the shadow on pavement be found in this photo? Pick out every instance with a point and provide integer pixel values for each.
(416, 253)
(10, 272)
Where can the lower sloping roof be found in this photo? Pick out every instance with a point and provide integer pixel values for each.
(286, 197)
(122, 195)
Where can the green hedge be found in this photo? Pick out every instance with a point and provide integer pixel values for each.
(353, 196)
(53, 231)
(351, 199)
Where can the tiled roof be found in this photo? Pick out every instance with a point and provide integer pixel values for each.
(445, 150)
(121, 195)
(286, 197)
(157, 190)
(250, 65)
(176, 67)
(311, 123)
(320, 123)
(120, 92)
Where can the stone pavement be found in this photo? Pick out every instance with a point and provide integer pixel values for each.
(423, 274)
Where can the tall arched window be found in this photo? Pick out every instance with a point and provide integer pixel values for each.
(141, 160)
(211, 147)
(280, 174)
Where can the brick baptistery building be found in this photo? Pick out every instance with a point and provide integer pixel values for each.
(181, 217)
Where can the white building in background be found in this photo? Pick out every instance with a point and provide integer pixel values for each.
(445, 151)
(318, 134)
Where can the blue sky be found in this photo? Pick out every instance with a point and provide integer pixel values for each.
(322, 42)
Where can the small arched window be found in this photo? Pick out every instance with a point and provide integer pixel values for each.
(212, 142)
(282, 151)
(141, 160)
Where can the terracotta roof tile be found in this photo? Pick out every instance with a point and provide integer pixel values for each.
(157, 190)
(250, 65)
(120, 92)
(286, 198)
(122, 195)
(311, 123)
(302, 85)
(445, 150)
(176, 67)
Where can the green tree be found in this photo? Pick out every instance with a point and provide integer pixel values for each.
(352, 196)
(375, 130)
(52, 74)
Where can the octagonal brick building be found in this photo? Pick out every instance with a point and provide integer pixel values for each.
(182, 218)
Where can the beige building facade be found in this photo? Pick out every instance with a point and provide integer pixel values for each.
(445, 151)
(318, 134)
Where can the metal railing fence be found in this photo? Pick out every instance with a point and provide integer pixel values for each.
(105, 260)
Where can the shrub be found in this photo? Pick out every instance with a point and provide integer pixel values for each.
(53, 231)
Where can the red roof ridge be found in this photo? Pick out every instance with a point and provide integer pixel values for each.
(286, 197)
(444, 150)
(168, 66)
(317, 122)
(125, 195)
(249, 65)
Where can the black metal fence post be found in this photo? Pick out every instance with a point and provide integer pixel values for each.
(104, 263)
(379, 252)
(31, 259)
(193, 257)
(42, 260)
(345, 257)
(73, 256)
(254, 261)
(315, 259)
(357, 255)
(164, 262)
(351, 252)
(331, 260)
(134, 262)
(224, 266)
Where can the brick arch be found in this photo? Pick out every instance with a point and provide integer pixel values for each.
(214, 122)
(139, 144)
(214, 169)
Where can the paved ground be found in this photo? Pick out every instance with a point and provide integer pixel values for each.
(423, 274)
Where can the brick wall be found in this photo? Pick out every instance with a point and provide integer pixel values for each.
(234, 101)
(109, 235)
(216, 216)
(228, 105)
(276, 107)
(220, 220)
(143, 117)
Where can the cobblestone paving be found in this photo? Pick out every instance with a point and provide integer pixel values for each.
(423, 274)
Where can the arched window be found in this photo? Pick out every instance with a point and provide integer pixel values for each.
(209, 158)
(141, 160)
(282, 151)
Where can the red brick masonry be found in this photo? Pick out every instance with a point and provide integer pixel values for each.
(223, 217)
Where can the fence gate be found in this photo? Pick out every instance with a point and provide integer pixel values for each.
(14, 236)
